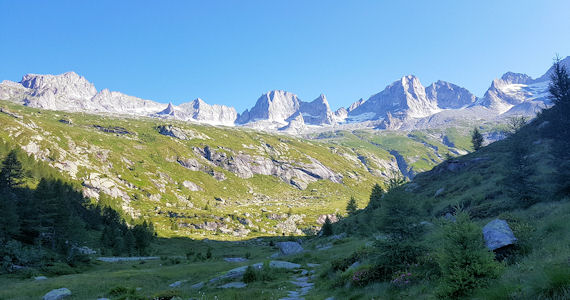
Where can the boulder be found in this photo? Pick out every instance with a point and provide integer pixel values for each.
(177, 283)
(37, 278)
(198, 285)
(234, 285)
(498, 234)
(235, 259)
(57, 294)
(439, 192)
(288, 248)
(279, 264)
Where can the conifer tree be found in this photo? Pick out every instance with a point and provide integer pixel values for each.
(376, 197)
(9, 221)
(11, 174)
(476, 139)
(327, 227)
(351, 206)
(465, 262)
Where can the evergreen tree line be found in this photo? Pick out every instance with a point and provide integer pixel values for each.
(53, 220)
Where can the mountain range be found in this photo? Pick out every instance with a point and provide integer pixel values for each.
(404, 104)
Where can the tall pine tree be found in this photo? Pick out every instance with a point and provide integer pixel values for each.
(476, 139)
(11, 174)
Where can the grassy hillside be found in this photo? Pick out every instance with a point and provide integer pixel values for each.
(522, 180)
(129, 160)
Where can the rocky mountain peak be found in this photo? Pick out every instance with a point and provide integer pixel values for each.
(355, 105)
(67, 84)
(448, 95)
(274, 106)
(169, 110)
(516, 78)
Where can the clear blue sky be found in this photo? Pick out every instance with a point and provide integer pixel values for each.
(230, 52)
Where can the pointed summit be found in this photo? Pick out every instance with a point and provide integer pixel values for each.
(169, 110)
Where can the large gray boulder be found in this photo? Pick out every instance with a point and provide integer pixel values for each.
(57, 294)
(498, 234)
(288, 248)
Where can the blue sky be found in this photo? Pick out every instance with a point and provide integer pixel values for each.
(230, 52)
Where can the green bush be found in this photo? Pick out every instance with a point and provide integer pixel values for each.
(556, 283)
(166, 295)
(250, 275)
(465, 262)
(57, 269)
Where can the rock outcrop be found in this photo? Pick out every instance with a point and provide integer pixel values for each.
(288, 248)
(498, 234)
(245, 166)
(57, 294)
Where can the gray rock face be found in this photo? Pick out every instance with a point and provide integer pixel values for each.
(355, 105)
(498, 234)
(405, 98)
(200, 111)
(274, 106)
(191, 186)
(57, 294)
(179, 133)
(517, 78)
(296, 125)
(448, 95)
(281, 107)
(245, 166)
(288, 248)
(317, 112)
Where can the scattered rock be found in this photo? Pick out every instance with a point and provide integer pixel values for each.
(321, 219)
(235, 259)
(234, 285)
(179, 133)
(324, 246)
(198, 285)
(355, 265)
(85, 250)
(191, 186)
(57, 294)
(177, 283)
(449, 217)
(338, 236)
(288, 248)
(11, 114)
(112, 129)
(313, 265)
(134, 258)
(498, 234)
(439, 192)
(279, 264)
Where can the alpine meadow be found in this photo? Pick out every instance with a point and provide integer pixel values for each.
(415, 192)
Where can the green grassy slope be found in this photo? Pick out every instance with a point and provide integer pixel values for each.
(139, 167)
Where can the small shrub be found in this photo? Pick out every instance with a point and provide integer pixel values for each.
(120, 291)
(465, 262)
(250, 275)
(58, 269)
(556, 284)
(209, 253)
(166, 295)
